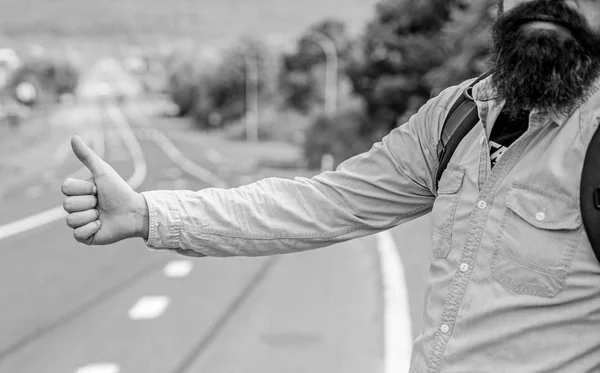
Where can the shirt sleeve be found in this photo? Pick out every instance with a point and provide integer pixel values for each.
(374, 191)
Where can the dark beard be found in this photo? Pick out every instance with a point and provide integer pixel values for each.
(539, 69)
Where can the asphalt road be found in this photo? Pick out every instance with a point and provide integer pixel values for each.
(66, 307)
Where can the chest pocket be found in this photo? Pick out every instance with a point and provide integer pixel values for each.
(444, 209)
(537, 241)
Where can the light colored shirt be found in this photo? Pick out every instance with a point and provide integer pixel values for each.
(514, 285)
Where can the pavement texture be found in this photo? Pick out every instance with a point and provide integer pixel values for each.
(67, 307)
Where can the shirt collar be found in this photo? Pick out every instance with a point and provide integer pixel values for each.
(485, 91)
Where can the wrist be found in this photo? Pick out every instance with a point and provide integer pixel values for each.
(141, 217)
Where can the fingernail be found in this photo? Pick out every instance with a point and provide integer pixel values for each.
(94, 189)
(98, 222)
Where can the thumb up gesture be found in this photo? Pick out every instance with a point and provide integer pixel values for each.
(104, 210)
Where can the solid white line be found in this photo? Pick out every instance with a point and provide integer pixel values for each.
(185, 163)
(178, 268)
(57, 213)
(134, 147)
(32, 222)
(397, 323)
(99, 368)
(178, 158)
(149, 308)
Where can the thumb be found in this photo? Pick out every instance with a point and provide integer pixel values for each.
(87, 156)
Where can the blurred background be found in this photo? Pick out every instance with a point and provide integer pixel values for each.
(191, 94)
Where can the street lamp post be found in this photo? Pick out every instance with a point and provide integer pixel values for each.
(251, 97)
(331, 70)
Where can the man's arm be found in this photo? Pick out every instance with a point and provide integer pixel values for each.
(390, 184)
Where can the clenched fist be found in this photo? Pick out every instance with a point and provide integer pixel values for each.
(105, 209)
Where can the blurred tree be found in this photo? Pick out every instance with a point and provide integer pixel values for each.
(467, 40)
(248, 71)
(214, 87)
(413, 49)
(335, 135)
(410, 52)
(301, 76)
(44, 79)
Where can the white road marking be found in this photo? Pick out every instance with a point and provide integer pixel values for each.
(178, 268)
(149, 308)
(185, 163)
(397, 323)
(178, 158)
(139, 160)
(57, 213)
(32, 222)
(99, 368)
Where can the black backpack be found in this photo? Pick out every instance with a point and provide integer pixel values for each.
(461, 119)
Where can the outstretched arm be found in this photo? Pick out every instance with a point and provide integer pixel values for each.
(374, 191)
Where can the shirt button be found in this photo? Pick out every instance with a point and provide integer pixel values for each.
(464, 267)
(540, 216)
(482, 204)
(445, 328)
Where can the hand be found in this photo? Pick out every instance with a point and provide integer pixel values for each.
(105, 209)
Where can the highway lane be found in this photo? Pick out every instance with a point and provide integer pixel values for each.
(45, 269)
(413, 239)
(65, 305)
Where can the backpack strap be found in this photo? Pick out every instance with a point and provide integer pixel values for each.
(590, 193)
(461, 119)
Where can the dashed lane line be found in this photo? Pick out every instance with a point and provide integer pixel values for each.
(147, 308)
(178, 268)
(99, 368)
(177, 156)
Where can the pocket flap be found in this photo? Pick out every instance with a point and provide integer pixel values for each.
(451, 180)
(543, 209)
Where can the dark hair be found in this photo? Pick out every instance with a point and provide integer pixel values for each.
(500, 7)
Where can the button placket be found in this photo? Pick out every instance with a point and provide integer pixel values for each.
(474, 235)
